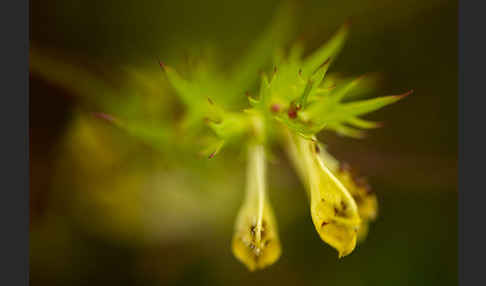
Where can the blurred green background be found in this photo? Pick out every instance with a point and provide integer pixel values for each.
(107, 210)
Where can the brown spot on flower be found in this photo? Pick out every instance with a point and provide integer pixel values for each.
(358, 199)
(343, 206)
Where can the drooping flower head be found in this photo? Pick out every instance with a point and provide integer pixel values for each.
(294, 101)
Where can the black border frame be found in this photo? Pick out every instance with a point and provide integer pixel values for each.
(14, 118)
(14, 211)
(471, 98)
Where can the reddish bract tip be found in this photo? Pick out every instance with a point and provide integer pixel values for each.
(161, 64)
(104, 116)
(408, 92)
(379, 124)
(211, 155)
(400, 96)
(348, 23)
(300, 38)
(361, 77)
(325, 63)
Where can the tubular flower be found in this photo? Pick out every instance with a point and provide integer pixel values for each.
(334, 211)
(255, 241)
(363, 196)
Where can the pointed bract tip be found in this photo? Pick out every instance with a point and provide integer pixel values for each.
(210, 101)
(161, 64)
(400, 96)
(360, 78)
(104, 116)
(211, 155)
(347, 24)
(300, 38)
(363, 76)
(325, 62)
(379, 124)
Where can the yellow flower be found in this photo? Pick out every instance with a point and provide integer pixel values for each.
(333, 209)
(255, 241)
(363, 196)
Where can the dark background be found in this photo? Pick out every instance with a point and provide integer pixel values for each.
(411, 162)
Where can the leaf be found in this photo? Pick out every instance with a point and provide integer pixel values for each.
(366, 106)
